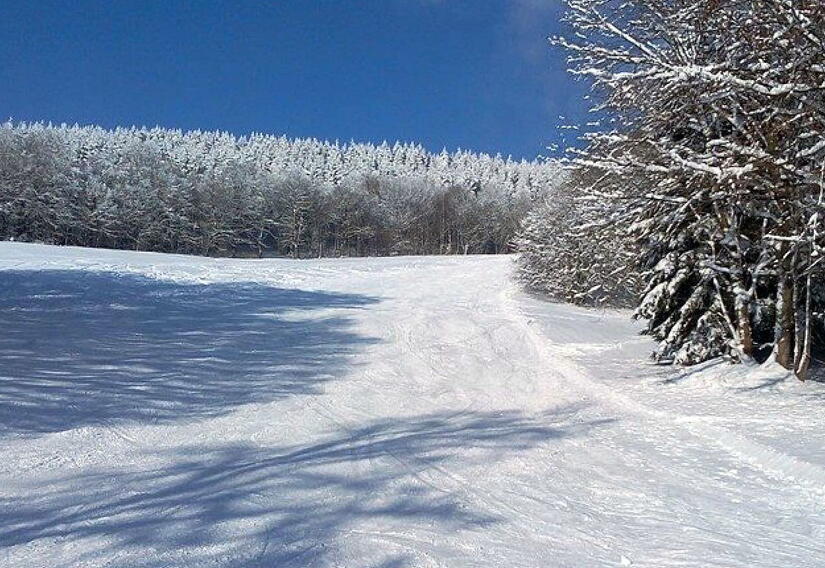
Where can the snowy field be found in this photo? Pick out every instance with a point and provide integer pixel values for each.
(161, 410)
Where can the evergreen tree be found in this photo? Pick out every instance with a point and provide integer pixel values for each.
(716, 106)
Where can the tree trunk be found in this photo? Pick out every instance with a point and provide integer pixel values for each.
(743, 322)
(742, 303)
(785, 324)
(802, 359)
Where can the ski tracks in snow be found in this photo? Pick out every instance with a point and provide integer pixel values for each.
(456, 422)
(783, 468)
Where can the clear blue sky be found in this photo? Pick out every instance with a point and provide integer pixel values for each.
(476, 74)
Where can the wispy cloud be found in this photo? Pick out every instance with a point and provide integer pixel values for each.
(531, 23)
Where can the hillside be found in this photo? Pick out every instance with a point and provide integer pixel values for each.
(162, 410)
(216, 194)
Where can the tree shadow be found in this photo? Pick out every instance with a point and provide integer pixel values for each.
(670, 374)
(291, 505)
(817, 372)
(81, 348)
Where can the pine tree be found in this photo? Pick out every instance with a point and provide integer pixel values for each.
(717, 106)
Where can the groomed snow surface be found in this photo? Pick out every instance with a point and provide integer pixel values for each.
(161, 410)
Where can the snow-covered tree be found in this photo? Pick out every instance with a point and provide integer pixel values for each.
(573, 251)
(718, 106)
(215, 193)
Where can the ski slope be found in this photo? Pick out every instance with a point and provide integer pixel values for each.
(162, 410)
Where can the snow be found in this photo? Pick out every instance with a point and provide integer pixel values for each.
(162, 410)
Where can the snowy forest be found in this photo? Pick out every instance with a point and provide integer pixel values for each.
(696, 196)
(213, 193)
(261, 350)
(699, 188)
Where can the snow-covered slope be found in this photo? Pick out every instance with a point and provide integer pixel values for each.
(160, 410)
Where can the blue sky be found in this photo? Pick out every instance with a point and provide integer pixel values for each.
(475, 74)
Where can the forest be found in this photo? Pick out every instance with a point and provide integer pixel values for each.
(237, 349)
(698, 195)
(213, 193)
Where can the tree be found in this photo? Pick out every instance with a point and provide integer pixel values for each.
(216, 194)
(718, 106)
(572, 251)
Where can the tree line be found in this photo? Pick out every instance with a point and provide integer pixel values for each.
(699, 193)
(214, 193)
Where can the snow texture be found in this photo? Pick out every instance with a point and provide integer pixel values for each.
(160, 410)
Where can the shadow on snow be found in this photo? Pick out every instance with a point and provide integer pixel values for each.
(80, 348)
(290, 505)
